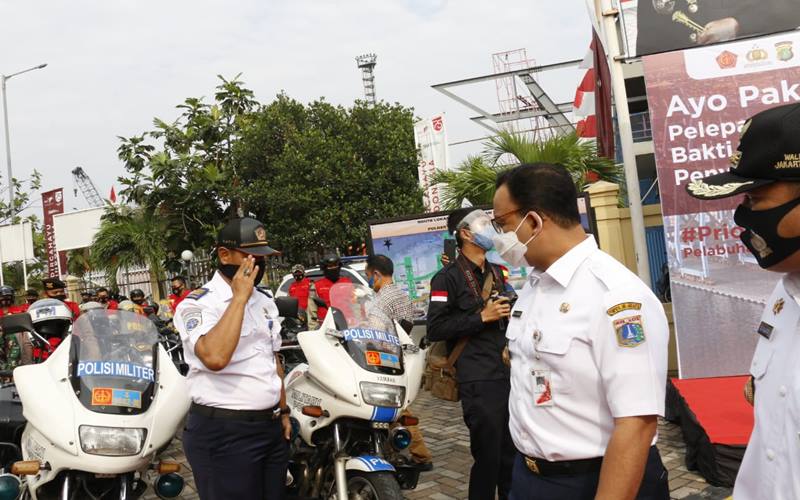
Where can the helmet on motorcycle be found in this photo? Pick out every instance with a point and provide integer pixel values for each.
(127, 305)
(88, 306)
(137, 296)
(51, 318)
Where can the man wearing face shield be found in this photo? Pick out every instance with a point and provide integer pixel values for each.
(462, 314)
(237, 433)
(588, 346)
(767, 170)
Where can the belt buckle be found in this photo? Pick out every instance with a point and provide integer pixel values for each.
(532, 465)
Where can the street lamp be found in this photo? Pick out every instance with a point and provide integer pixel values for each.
(3, 79)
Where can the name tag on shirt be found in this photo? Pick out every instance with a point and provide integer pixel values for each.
(542, 389)
(516, 314)
(765, 330)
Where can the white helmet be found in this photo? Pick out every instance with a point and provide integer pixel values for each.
(50, 317)
(88, 306)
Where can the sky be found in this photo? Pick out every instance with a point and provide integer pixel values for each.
(114, 65)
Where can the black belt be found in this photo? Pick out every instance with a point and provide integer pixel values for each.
(542, 467)
(247, 415)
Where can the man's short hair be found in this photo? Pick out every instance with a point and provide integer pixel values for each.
(454, 219)
(543, 188)
(179, 278)
(380, 263)
(102, 289)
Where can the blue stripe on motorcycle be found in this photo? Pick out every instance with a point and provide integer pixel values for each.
(375, 464)
(384, 414)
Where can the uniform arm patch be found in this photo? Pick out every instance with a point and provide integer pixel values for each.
(630, 331)
(624, 306)
(192, 318)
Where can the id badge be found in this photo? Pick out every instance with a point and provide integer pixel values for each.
(542, 390)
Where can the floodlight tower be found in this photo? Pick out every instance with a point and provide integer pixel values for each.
(366, 63)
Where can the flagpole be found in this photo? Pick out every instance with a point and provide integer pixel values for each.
(606, 17)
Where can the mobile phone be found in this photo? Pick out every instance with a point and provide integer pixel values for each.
(450, 249)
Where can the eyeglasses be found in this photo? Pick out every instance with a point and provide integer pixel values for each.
(498, 226)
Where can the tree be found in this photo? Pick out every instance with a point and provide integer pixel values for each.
(317, 174)
(26, 193)
(184, 171)
(475, 177)
(129, 238)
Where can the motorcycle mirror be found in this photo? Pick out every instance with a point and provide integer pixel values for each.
(287, 306)
(16, 323)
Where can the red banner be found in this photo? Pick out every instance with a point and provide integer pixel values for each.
(52, 204)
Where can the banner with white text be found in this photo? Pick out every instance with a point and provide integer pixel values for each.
(430, 138)
(699, 100)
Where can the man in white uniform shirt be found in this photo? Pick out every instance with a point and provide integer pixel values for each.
(767, 170)
(236, 435)
(588, 349)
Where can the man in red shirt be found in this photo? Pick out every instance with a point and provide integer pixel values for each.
(54, 288)
(331, 268)
(301, 287)
(7, 301)
(179, 291)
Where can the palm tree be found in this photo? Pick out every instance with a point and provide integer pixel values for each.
(78, 262)
(474, 179)
(130, 237)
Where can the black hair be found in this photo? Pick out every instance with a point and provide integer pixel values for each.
(380, 263)
(102, 289)
(31, 291)
(179, 278)
(544, 188)
(454, 219)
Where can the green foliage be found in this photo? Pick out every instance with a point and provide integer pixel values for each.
(314, 174)
(475, 177)
(317, 173)
(26, 193)
(129, 238)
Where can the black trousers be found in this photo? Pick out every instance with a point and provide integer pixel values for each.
(236, 460)
(530, 486)
(485, 406)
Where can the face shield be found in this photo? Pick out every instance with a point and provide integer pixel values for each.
(480, 225)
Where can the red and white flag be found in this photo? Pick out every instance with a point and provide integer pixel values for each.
(592, 104)
(438, 295)
(113, 196)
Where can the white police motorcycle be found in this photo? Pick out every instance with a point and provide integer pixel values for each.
(99, 410)
(362, 370)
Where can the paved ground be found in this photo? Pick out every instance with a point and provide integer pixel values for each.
(448, 440)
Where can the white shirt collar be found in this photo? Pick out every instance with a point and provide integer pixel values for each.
(564, 268)
(221, 287)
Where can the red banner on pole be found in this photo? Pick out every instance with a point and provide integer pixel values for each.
(52, 203)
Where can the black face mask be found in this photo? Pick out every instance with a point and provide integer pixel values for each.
(138, 302)
(61, 297)
(229, 270)
(102, 300)
(761, 233)
(177, 291)
(298, 277)
(332, 274)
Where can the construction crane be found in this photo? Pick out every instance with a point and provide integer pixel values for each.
(85, 184)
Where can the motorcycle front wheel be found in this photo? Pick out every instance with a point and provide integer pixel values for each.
(373, 486)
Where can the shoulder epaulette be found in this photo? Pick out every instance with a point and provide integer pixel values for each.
(197, 293)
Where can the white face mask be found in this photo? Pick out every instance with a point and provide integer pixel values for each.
(510, 248)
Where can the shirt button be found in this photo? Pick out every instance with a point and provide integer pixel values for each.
(782, 391)
(770, 455)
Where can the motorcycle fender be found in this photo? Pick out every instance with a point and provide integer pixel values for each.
(368, 463)
(170, 405)
(43, 388)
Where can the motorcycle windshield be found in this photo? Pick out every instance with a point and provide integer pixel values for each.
(113, 361)
(369, 334)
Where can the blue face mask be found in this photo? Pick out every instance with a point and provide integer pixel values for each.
(483, 240)
(371, 281)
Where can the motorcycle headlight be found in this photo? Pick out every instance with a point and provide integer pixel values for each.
(111, 441)
(383, 394)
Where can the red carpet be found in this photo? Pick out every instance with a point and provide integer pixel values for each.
(720, 407)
